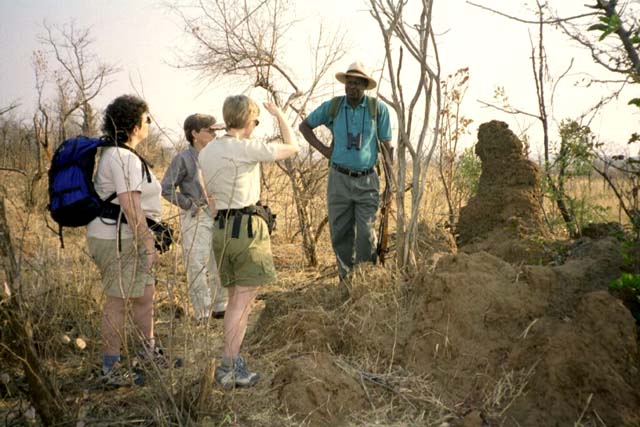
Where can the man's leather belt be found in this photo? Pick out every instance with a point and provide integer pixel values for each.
(352, 173)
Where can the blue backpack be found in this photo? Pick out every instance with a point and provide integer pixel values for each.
(73, 201)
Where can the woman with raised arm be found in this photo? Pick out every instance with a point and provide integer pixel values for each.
(231, 172)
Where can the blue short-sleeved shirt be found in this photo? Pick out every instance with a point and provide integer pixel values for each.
(358, 121)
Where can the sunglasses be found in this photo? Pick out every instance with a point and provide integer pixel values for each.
(148, 120)
(213, 128)
(256, 122)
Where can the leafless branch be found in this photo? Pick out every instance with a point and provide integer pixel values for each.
(12, 106)
(20, 171)
(509, 110)
(532, 21)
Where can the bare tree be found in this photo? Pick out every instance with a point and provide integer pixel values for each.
(81, 75)
(453, 126)
(417, 109)
(42, 120)
(247, 40)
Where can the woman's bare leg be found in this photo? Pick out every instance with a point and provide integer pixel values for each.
(236, 318)
(142, 308)
(112, 330)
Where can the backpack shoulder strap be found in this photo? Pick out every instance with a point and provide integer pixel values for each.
(373, 107)
(334, 107)
(109, 142)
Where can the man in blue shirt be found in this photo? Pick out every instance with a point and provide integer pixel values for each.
(360, 127)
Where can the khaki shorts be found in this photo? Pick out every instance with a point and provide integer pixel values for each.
(244, 261)
(123, 274)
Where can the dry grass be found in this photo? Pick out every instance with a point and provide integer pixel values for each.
(61, 287)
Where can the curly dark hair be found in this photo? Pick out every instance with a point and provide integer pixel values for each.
(122, 115)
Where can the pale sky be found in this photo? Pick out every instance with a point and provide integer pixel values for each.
(140, 37)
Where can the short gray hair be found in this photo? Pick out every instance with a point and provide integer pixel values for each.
(238, 110)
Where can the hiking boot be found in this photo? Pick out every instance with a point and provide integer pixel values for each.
(120, 376)
(157, 356)
(225, 376)
(235, 374)
(244, 377)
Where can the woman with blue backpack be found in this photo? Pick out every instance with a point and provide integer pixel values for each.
(125, 252)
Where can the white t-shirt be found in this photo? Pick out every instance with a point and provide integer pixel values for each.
(119, 170)
(231, 170)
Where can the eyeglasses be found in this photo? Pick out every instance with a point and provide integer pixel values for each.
(148, 119)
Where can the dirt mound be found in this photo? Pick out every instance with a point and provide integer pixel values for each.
(513, 245)
(300, 319)
(434, 239)
(508, 196)
(600, 230)
(317, 391)
(489, 335)
(585, 365)
(467, 315)
(526, 345)
(530, 344)
(433, 242)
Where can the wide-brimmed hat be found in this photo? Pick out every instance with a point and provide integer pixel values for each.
(356, 70)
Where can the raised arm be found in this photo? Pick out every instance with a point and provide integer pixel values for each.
(290, 147)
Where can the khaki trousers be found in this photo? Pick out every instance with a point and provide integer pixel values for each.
(205, 292)
(352, 208)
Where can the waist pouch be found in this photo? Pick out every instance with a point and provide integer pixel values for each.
(262, 211)
(163, 234)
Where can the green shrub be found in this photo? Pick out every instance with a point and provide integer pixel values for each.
(627, 288)
(627, 282)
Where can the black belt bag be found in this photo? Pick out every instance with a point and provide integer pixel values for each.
(263, 211)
